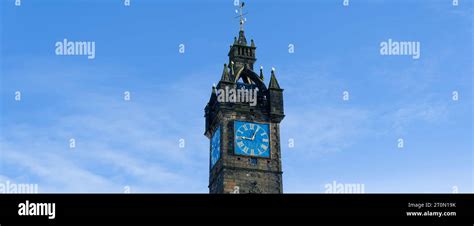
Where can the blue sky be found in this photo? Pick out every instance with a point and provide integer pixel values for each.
(136, 143)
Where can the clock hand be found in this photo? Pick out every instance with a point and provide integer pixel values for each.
(253, 137)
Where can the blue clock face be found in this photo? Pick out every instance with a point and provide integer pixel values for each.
(252, 139)
(215, 146)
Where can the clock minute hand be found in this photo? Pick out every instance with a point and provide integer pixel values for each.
(253, 136)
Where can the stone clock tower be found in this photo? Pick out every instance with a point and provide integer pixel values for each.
(243, 119)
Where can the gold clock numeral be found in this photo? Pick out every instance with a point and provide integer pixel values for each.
(265, 140)
(245, 127)
(252, 152)
(240, 144)
(265, 147)
(252, 126)
(246, 149)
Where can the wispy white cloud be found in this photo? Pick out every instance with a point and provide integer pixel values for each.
(409, 116)
(325, 130)
(118, 143)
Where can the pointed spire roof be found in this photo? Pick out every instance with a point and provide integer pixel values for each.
(273, 81)
(225, 74)
(261, 73)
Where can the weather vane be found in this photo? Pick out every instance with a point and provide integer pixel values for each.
(241, 15)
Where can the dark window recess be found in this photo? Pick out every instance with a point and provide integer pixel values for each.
(238, 159)
(253, 161)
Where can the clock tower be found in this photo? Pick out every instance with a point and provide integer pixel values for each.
(243, 118)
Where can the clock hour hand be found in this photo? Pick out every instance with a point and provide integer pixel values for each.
(244, 138)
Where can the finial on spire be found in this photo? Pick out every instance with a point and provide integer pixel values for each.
(261, 73)
(241, 16)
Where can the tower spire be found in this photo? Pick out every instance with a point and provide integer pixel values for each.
(241, 40)
(273, 81)
(240, 53)
(225, 74)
